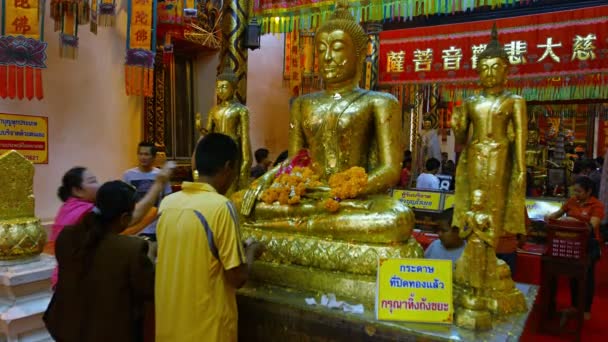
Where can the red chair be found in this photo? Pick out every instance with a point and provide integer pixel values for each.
(566, 256)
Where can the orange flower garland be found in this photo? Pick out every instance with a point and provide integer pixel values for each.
(289, 188)
(345, 185)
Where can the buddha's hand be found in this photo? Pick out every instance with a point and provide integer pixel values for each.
(253, 193)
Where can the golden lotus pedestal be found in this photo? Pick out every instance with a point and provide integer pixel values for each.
(269, 313)
(310, 263)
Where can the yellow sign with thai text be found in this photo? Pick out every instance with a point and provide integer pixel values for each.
(25, 134)
(423, 200)
(414, 290)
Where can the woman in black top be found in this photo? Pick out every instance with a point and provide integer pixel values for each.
(104, 278)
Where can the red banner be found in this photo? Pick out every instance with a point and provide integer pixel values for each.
(539, 46)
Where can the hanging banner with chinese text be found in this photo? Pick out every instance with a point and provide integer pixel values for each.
(141, 46)
(25, 134)
(551, 45)
(22, 51)
(414, 290)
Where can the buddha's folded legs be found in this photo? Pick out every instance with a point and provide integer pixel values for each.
(377, 219)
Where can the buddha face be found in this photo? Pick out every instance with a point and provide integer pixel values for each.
(427, 125)
(338, 57)
(532, 137)
(492, 72)
(224, 90)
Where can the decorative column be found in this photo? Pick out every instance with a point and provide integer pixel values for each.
(233, 52)
(373, 53)
(154, 110)
(307, 60)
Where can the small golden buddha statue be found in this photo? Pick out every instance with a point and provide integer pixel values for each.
(342, 127)
(492, 162)
(536, 155)
(21, 234)
(230, 117)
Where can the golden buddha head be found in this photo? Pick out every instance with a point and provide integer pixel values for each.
(225, 85)
(493, 65)
(477, 200)
(342, 44)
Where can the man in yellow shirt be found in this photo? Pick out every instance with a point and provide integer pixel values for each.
(201, 261)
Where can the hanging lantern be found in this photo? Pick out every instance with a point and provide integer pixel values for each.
(22, 49)
(253, 34)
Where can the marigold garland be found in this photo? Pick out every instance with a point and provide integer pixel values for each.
(349, 183)
(288, 188)
(345, 185)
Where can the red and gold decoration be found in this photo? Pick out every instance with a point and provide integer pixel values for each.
(141, 48)
(553, 56)
(22, 49)
(282, 16)
(68, 14)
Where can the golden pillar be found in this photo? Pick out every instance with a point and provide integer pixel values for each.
(234, 53)
(373, 55)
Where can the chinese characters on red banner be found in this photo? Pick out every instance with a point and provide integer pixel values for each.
(583, 49)
(568, 43)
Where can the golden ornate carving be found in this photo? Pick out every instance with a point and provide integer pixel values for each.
(342, 127)
(490, 192)
(331, 255)
(21, 234)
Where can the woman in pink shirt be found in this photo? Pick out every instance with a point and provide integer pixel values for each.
(78, 192)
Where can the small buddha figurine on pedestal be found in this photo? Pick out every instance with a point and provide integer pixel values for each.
(22, 237)
(490, 192)
(536, 154)
(230, 117)
(309, 247)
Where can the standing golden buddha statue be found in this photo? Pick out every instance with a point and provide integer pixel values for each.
(231, 117)
(490, 192)
(309, 247)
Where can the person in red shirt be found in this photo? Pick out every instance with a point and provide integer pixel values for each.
(586, 208)
(406, 172)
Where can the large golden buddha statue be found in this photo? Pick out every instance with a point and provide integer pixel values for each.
(231, 117)
(309, 247)
(490, 192)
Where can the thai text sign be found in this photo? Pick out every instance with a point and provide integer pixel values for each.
(422, 200)
(545, 45)
(26, 134)
(415, 290)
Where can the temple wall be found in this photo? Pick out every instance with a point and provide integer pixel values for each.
(267, 99)
(91, 121)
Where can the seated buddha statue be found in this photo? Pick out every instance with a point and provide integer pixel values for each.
(309, 247)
